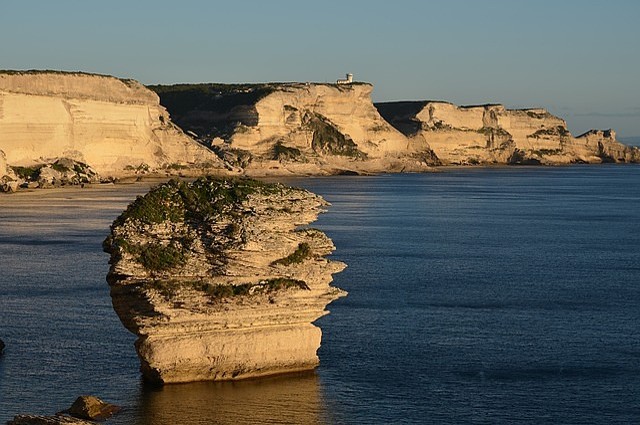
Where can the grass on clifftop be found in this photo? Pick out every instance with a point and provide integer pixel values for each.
(179, 202)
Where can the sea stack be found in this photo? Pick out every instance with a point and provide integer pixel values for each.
(219, 281)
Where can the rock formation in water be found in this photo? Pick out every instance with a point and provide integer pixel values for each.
(91, 408)
(218, 280)
(115, 126)
(83, 411)
(490, 134)
(294, 127)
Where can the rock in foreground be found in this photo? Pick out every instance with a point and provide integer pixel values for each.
(91, 408)
(218, 281)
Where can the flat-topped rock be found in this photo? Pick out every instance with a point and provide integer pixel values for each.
(219, 281)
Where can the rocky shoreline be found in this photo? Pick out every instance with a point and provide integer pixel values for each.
(71, 128)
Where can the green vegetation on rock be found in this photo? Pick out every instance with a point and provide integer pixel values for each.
(553, 131)
(159, 205)
(328, 140)
(159, 257)
(285, 153)
(27, 173)
(544, 152)
(219, 292)
(212, 110)
(536, 114)
(494, 131)
(178, 203)
(302, 252)
(234, 156)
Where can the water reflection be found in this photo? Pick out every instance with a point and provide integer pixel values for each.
(285, 399)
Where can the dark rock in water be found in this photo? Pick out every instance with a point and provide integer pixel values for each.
(92, 408)
(47, 420)
(82, 412)
(1, 346)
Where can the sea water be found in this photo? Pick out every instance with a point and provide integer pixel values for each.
(506, 295)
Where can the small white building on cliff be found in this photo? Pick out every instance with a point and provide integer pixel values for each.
(348, 80)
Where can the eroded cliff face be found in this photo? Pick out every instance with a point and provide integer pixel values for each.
(218, 280)
(115, 126)
(490, 134)
(294, 128)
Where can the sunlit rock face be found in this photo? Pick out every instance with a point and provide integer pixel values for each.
(492, 134)
(219, 281)
(115, 126)
(299, 128)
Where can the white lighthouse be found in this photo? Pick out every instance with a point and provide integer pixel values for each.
(348, 80)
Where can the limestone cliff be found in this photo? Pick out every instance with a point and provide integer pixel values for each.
(489, 134)
(219, 282)
(294, 127)
(115, 126)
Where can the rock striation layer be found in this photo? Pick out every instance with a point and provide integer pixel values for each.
(492, 134)
(299, 128)
(219, 281)
(115, 126)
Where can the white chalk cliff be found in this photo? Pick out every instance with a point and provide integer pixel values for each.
(219, 282)
(280, 128)
(490, 134)
(115, 126)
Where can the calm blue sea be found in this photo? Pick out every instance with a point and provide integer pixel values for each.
(498, 296)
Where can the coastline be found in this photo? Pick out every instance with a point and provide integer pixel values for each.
(105, 357)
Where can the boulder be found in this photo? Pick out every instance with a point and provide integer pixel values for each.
(8, 185)
(1, 346)
(91, 408)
